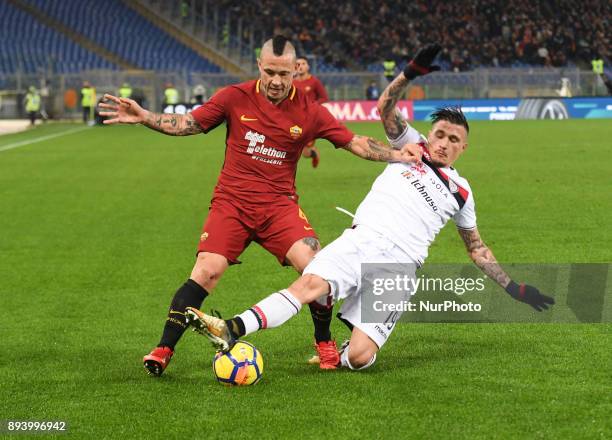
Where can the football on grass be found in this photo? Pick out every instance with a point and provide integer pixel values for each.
(242, 365)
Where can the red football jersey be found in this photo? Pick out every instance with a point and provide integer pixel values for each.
(264, 141)
(313, 88)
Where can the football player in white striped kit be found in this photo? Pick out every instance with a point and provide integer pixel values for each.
(408, 205)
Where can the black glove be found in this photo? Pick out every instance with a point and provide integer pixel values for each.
(421, 63)
(529, 295)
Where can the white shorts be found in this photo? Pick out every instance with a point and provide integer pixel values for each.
(339, 263)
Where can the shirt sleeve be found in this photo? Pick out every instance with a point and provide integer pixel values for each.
(329, 128)
(466, 217)
(214, 111)
(409, 136)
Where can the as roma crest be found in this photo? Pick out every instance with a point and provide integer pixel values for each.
(295, 131)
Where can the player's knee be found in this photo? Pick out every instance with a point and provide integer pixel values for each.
(207, 272)
(308, 288)
(206, 278)
(361, 352)
(361, 359)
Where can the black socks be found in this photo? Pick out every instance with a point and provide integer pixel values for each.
(321, 318)
(236, 327)
(191, 294)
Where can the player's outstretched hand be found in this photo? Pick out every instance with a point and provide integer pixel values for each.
(421, 63)
(121, 110)
(411, 153)
(529, 295)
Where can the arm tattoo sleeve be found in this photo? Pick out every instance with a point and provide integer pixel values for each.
(391, 117)
(482, 256)
(370, 149)
(172, 124)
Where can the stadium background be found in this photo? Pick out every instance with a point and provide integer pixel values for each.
(98, 224)
(491, 50)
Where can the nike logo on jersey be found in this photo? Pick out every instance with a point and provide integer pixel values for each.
(243, 118)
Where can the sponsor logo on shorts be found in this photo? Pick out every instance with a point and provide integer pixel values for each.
(381, 331)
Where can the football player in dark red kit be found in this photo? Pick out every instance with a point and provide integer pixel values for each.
(312, 87)
(268, 123)
(314, 90)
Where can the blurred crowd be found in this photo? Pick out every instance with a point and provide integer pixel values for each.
(473, 33)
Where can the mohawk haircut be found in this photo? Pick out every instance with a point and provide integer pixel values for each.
(278, 45)
(454, 115)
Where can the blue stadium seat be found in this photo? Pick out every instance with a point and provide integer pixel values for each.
(29, 46)
(114, 26)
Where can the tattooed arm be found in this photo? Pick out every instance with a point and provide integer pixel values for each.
(172, 124)
(127, 111)
(373, 149)
(391, 117)
(482, 256)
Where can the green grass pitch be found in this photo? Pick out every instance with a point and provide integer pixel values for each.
(98, 229)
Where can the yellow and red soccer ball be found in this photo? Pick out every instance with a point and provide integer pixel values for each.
(242, 365)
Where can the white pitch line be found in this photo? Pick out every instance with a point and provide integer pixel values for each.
(40, 139)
